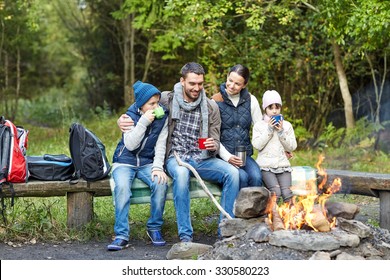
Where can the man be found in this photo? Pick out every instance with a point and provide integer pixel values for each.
(192, 116)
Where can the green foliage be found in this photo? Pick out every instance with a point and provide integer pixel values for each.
(331, 136)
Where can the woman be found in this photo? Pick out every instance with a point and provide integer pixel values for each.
(239, 110)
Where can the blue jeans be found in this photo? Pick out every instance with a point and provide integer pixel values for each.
(250, 174)
(123, 176)
(213, 170)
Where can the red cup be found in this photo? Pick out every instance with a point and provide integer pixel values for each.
(201, 141)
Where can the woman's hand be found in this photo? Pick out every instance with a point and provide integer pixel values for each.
(235, 161)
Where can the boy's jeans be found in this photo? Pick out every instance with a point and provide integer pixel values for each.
(213, 170)
(123, 176)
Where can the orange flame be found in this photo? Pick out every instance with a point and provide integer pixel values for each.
(305, 210)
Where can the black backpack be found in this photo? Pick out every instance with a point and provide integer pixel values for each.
(88, 154)
(50, 167)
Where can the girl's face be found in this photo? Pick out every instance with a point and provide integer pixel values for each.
(234, 83)
(151, 104)
(273, 110)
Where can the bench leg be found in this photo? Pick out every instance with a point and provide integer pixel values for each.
(80, 209)
(384, 209)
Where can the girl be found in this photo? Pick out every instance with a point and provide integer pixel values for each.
(274, 140)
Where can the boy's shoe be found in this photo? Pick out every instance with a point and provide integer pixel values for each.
(156, 237)
(117, 245)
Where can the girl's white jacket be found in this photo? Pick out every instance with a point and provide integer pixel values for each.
(272, 144)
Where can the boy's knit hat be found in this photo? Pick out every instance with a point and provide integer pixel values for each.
(271, 97)
(143, 92)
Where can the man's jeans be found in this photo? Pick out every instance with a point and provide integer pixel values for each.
(123, 176)
(250, 174)
(213, 170)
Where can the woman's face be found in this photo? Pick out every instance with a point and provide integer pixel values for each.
(273, 110)
(234, 83)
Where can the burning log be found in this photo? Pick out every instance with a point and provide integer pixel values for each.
(277, 222)
(318, 221)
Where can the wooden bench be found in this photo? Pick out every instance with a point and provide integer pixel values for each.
(80, 196)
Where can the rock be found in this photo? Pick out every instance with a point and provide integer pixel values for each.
(251, 202)
(355, 227)
(341, 209)
(237, 226)
(187, 250)
(319, 255)
(346, 256)
(259, 233)
(306, 241)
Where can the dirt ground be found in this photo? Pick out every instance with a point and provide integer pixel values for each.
(92, 250)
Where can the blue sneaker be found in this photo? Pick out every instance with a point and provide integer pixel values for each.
(117, 245)
(186, 239)
(156, 237)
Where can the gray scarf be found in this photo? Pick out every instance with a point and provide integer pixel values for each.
(178, 102)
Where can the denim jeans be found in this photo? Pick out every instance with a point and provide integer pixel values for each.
(123, 176)
(213, 170)
(250, 174)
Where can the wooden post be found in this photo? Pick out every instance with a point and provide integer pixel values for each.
(384, 209)
(79, 208)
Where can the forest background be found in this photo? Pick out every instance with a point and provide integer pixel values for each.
(75, 60)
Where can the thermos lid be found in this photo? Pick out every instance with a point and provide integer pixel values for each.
(240, 149)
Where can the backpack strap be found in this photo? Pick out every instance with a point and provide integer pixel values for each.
(75, 178)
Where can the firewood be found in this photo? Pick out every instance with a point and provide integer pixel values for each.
(319, 222)
(277, 222)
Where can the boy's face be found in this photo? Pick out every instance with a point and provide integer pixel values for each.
(151, 104)
(192, 86)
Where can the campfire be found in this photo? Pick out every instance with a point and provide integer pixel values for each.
(306, 211)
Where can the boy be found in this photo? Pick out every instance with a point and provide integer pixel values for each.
(140, 154)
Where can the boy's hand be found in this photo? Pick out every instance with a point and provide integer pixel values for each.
(150, 115)
(161, 176)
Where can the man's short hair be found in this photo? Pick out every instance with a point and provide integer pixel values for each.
(192, 67)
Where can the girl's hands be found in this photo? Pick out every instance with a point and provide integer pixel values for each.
(278, 125)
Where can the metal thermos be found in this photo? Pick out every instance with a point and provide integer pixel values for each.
(241, 153)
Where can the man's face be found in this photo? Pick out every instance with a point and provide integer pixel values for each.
(192, 85)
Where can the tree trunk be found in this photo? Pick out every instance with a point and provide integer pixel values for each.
(126, 60)
(132, 59)
(349, 118)
(378, 91)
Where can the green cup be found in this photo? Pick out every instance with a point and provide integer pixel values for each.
(159, 112)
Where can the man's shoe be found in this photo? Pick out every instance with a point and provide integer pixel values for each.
(156, 237)
(186, 239)
(117, 245)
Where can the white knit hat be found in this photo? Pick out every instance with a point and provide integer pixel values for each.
(271, 97)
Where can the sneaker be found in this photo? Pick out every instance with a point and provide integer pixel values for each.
(117, 245)
(186, 239)
(156, 237)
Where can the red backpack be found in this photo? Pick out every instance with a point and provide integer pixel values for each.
(13, 162)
